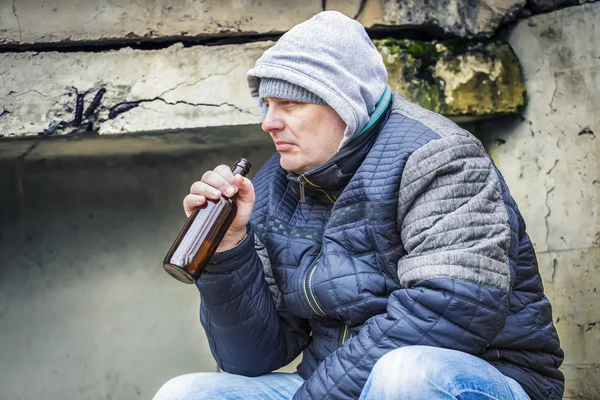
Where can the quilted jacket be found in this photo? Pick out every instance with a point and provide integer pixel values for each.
(408, 236)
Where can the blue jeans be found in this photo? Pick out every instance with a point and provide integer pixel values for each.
(413, 372)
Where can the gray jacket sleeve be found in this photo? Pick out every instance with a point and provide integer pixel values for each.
(249, 330)
(456, 276)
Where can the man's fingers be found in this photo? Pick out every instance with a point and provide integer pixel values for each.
(225, 172)
(206, 190)
(191, 202)
(245, 189)
(217, 181)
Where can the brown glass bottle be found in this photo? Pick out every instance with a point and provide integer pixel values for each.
(201, 234)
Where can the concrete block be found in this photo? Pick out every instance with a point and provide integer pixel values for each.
(581, 381)
(554, 42)
(182, 88)
(550, 158)
(458, 17)
(571, 283)
(551, 155)
(55, 21)
(175, 88)
(50, 21)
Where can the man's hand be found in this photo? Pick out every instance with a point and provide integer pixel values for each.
(221, 182)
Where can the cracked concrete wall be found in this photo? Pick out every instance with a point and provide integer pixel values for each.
(550, 157)
(176, 88)
(86, 310)
(50, 21)
(179, 87)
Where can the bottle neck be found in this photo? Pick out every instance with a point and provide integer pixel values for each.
(241, 167)
(239, 170)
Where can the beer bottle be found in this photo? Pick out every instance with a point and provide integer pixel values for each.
(202, 233)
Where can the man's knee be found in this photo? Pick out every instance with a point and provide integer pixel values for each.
(426, 369)
(196, 386)
(405, 368)
(431, 372)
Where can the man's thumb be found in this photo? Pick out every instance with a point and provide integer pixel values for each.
(245, 189)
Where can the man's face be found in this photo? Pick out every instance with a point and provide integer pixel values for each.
(306, 135)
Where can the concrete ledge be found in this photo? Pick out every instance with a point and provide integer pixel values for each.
(68, 21)
(173, 88)
(141, 144)
(192, 87)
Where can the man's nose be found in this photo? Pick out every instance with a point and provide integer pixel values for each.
(273, 121)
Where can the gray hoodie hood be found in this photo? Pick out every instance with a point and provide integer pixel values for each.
(332, 56)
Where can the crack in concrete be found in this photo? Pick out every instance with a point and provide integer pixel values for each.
(24, 93)
(176, 87)
(361, 8)
(14, 10)
(549, 211)
(548, 251)
(185, 84)
(201, 104)
(554, 266)
(552, 167)
(553, 94)
(548, 191)
(140, 102)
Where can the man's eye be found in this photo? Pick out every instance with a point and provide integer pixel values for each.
(289, 103)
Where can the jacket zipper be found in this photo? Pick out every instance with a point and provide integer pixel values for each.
(308, 293)
(303, 180)
(346, 335)
(302, 198)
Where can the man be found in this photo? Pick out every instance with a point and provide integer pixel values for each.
(379, 241)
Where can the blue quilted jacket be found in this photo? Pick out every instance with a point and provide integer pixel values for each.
(408, 236)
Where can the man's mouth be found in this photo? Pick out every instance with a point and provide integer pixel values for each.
(281, 145)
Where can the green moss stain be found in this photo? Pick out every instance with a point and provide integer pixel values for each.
(459, 77)
(410, 64)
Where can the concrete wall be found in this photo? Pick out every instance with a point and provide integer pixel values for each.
(51, 21)
(86, 310)
(190, 87)
(176, 88)
(550, 157)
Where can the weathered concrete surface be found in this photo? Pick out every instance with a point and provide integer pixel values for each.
(550, 157)
(86, 310)
(176, 88)
(459, 17)
(191, 87)
(142, 144)
(549, 5)
(53, 21)
(50, 21)
(572, 281)
(455, 78)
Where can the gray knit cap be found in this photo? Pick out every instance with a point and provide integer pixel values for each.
(280, 89)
